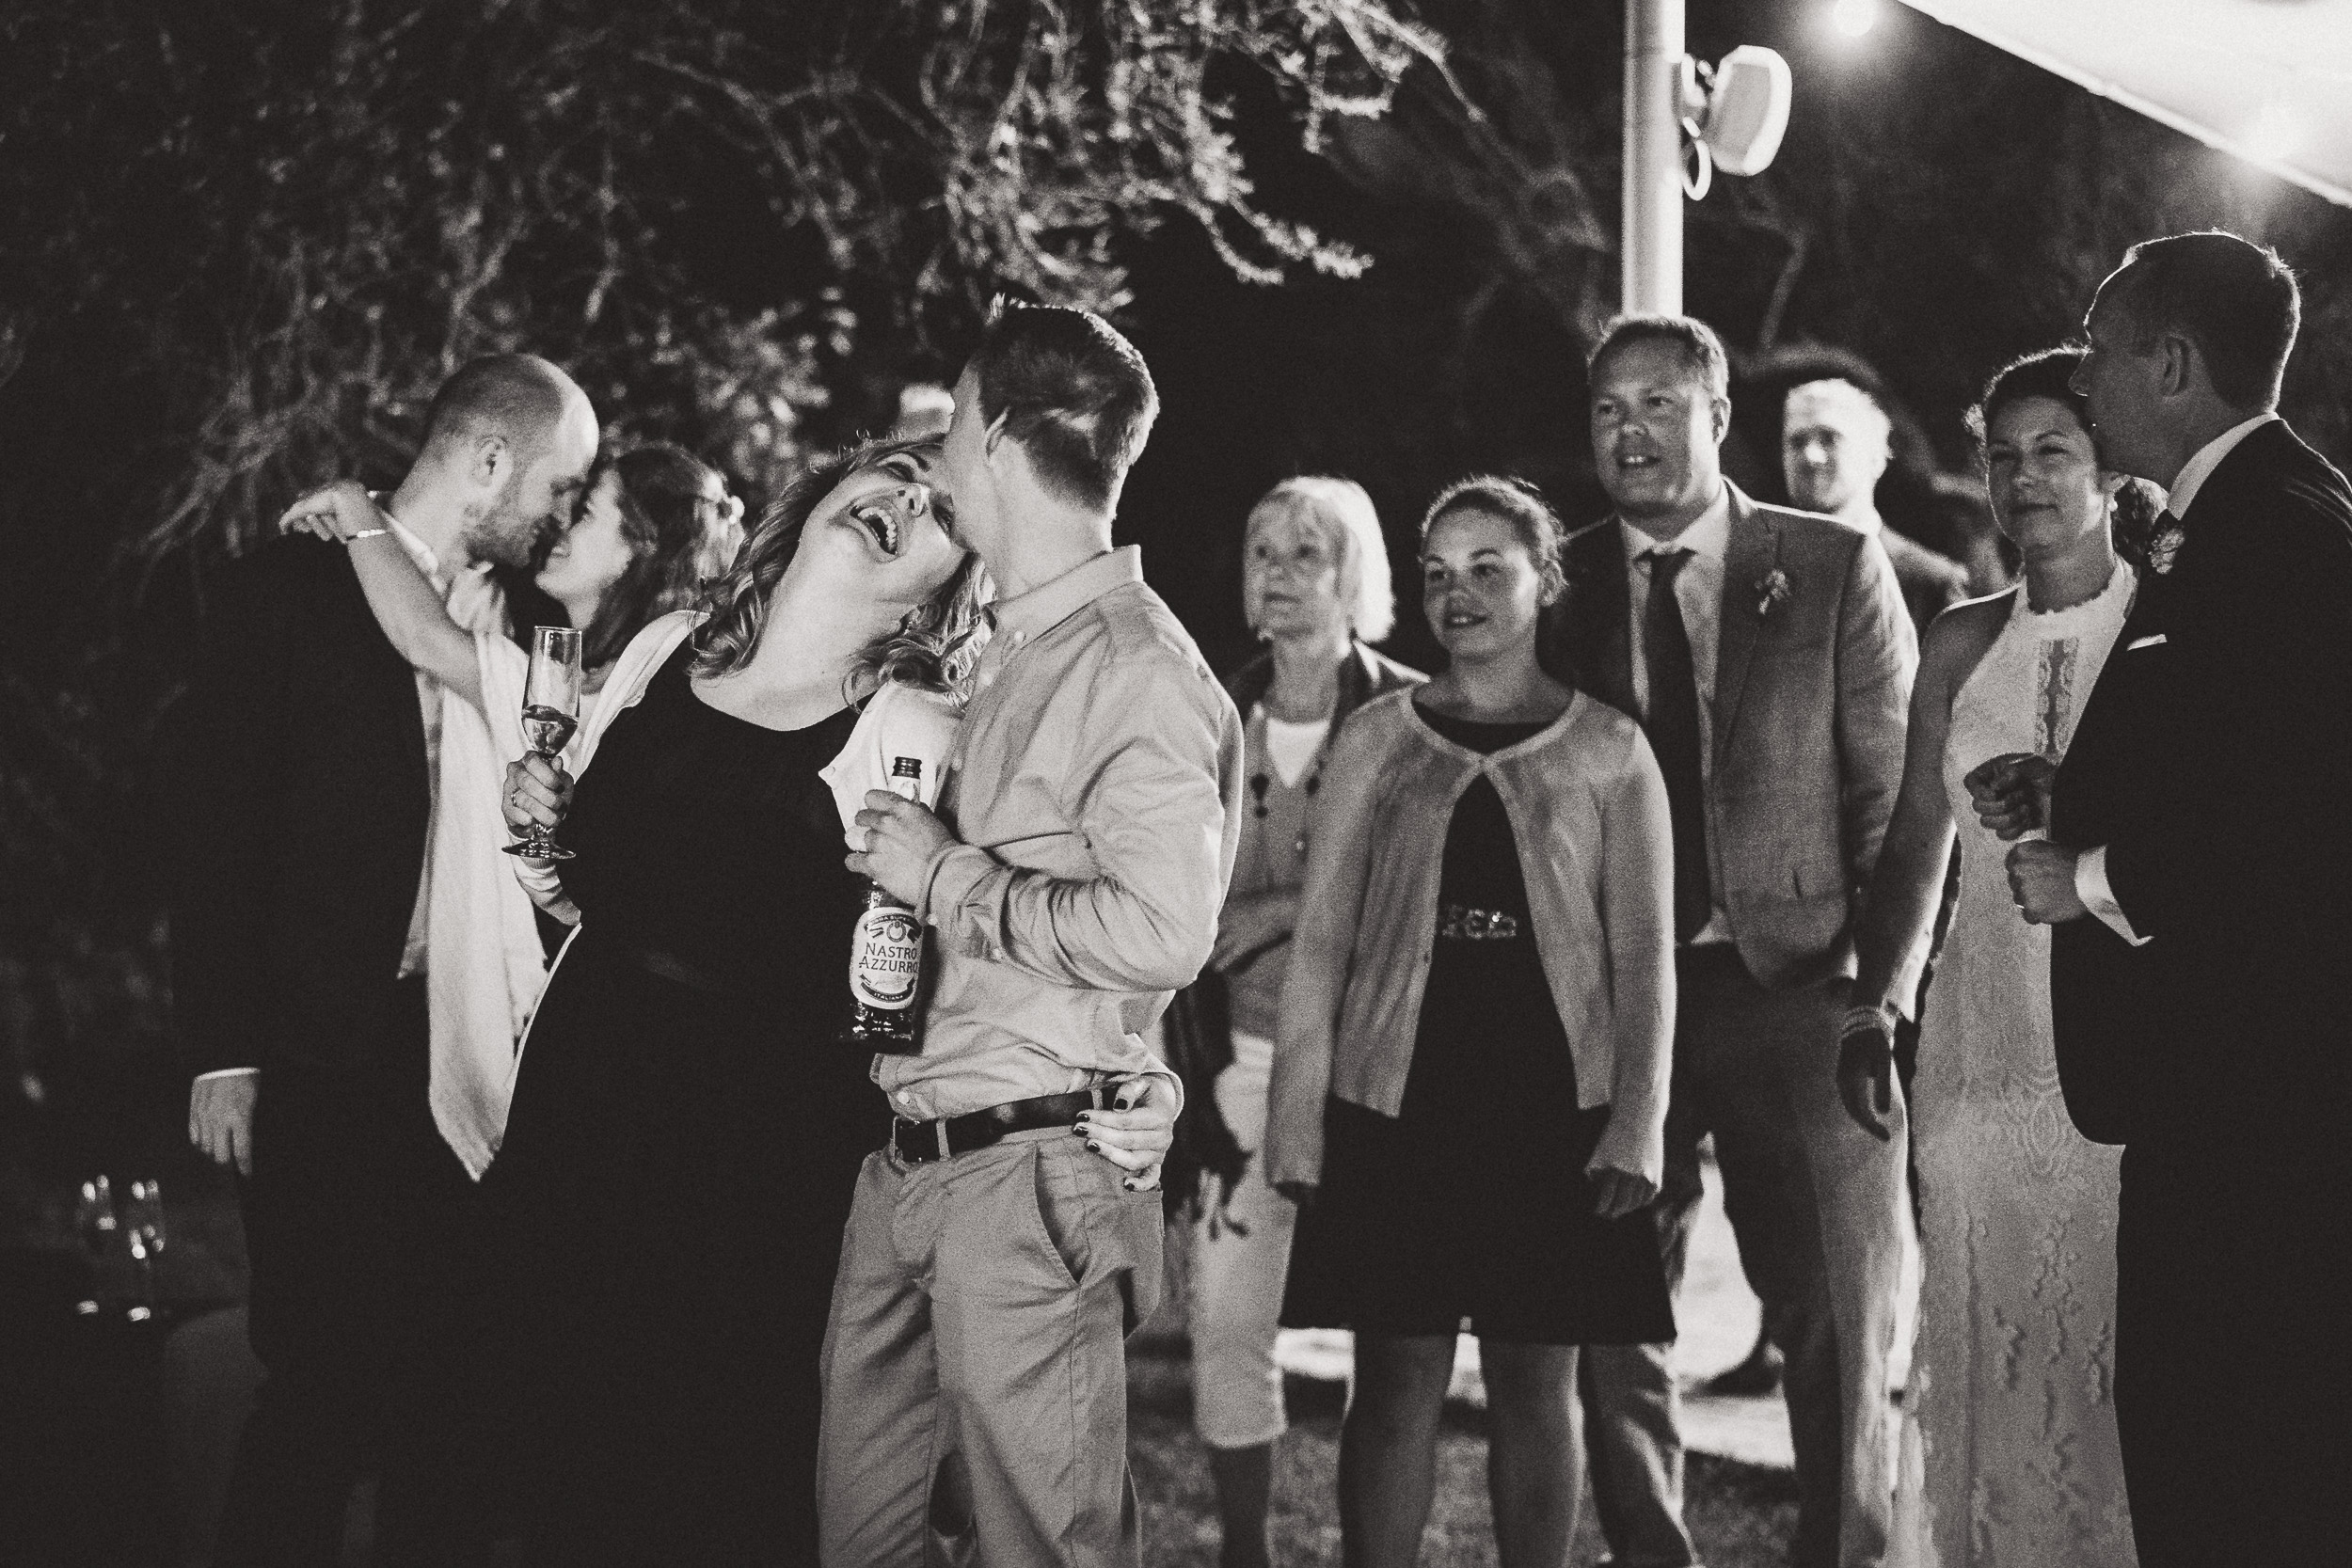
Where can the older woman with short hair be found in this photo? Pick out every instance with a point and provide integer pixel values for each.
(1316, 589)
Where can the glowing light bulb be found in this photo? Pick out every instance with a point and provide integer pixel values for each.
(1855, 18)
(2273, 138)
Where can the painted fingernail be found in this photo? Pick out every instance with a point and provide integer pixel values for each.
(1094, 1146)
(1125, 1105)
(1079, 1131)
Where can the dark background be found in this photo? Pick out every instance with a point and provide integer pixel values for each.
(240, 242)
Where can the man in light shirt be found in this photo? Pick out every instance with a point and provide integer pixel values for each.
(1768, 658)
(975, 1374)
(303, 790)
(2199, 876)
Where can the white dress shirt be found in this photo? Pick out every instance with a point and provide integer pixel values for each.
(1699, 594)
(2090, 871)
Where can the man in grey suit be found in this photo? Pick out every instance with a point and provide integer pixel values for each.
(1768, 657)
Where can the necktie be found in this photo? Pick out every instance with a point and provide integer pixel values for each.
(1672, 725)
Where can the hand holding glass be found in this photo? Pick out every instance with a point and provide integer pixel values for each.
(551, 713)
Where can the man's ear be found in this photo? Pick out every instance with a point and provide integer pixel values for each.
(1719, 417)
(2180, 364)
(995, 434)
(487, 461)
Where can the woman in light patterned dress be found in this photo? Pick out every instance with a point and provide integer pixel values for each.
(2009, 1451)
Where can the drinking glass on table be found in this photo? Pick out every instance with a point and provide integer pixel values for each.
(143, 1226)
(551, 713)
(97, 1228)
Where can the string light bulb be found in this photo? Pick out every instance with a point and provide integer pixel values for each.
(2273, 138)
(1855, 18)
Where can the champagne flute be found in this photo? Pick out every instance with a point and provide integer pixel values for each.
(96, 1226)
(551, 713)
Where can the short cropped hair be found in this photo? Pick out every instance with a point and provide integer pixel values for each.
(1346, 514)
(2237, 301)
(1073, 392)
(519, 396)
(1701, 349)
(1513, 501)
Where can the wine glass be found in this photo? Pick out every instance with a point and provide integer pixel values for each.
(551, 713)
(96, 1226)
(143, 1224)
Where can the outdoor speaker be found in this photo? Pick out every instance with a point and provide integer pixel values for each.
(1747, 109)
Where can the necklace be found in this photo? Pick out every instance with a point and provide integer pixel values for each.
(1261, 781)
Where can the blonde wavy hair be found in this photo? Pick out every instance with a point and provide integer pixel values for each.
(933, 646)
(1343, 514)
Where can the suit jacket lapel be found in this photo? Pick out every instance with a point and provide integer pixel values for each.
(1746, 560)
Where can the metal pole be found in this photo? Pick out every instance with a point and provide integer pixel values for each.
(1652, 237)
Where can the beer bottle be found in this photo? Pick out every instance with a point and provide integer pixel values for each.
(886, 991)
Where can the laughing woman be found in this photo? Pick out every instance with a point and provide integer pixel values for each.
(686, 1129)
(1469, 1079)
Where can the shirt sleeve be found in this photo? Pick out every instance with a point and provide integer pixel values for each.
(1151, 770)
(2092, 887)
(228, 1072)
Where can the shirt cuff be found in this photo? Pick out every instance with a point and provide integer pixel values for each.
(2090, 886)
(939, 901)
(226, 1073)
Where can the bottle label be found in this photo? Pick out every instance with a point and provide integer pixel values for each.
(886, 957)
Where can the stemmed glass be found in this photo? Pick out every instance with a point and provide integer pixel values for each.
(96, 1226)
(143, 1224)
(551, 713)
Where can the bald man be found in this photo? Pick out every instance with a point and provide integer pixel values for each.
(300, 773)
(1835, 446)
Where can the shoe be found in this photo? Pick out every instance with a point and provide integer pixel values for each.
(1753, 1378)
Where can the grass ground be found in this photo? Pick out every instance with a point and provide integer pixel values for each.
(1741, 1516)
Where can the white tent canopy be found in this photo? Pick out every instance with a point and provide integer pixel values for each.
(2270, 80)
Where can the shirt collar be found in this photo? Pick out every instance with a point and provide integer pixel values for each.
(1867, 521)
(1030, 615)
(2200, 469)
(427, 560)
(1709, 534)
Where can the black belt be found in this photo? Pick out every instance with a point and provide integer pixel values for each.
(919, 1141)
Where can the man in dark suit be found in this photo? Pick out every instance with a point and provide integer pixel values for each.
(2199, 876)
(302, 794)
(1767, 657)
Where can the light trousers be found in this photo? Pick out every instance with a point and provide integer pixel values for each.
(1241, 1255)
(977, 1340)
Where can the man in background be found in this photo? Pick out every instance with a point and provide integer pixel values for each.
(1835, 447)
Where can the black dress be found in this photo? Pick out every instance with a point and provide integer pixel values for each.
(1472, 1206)
(683, 1145)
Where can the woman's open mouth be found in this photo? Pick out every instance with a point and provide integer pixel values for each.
(879, 520)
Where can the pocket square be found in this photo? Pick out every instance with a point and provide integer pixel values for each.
(2144, 641)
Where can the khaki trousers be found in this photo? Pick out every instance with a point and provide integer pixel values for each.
(974, 1369)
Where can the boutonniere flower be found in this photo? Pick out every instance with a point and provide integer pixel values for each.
(2162, 546)
(1770, 589)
